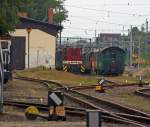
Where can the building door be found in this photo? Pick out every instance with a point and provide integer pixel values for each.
(18, 53)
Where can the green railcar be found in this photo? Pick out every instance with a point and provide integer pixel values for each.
(110, 61)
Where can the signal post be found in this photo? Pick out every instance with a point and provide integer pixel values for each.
(56, 108)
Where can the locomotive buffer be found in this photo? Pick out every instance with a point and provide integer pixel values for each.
(55, 104)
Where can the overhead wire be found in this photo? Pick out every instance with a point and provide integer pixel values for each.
(108, 11)
(85, 29)
(127, 4)
(90, 19)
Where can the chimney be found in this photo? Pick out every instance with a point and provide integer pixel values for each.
(50, 15)
(22, 14)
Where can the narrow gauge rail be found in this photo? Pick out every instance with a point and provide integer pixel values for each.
(103, 103)
(72, 111)
(60, 86)
(124, 117)
(69, 110)
(116, 110)
(111, 85)
(143, 92)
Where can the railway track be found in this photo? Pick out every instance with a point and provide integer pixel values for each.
(143, 92)
(105, 86)
(71, 111)
(42, 107)
(135, 117)
(106, 108)
(111, 106)
(80, 87)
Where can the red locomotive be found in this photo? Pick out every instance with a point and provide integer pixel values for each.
(69, 60)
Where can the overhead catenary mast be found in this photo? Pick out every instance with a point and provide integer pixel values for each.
(146, 26)
(131, 46)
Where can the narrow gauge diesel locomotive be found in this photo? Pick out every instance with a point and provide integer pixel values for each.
(110, 61)
(69, 60)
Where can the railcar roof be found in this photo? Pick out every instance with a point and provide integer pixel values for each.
(113, 47)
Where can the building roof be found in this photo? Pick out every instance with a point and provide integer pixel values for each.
(36, 24)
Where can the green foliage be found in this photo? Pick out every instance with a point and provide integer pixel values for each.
(8, 14)
(8, 19)
(37, 9)
(140, 35)
(145, 55)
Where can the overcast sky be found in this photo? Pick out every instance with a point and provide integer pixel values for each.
(104, 16)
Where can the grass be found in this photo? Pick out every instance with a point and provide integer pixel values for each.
(123, 79)
(69, 78)
(128, 97)
(57, 75)
(137, 101)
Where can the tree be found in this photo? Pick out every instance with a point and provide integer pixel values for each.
(38, 10)
(8, 14)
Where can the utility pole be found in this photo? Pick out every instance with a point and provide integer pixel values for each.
(123, 40)
(29, 29)
(67, 41)
(90, 45)
(60, 32)
(96, 30)
(139, 53)
(146, 26)
(60, 38)
(95, 34)
(131, 46)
